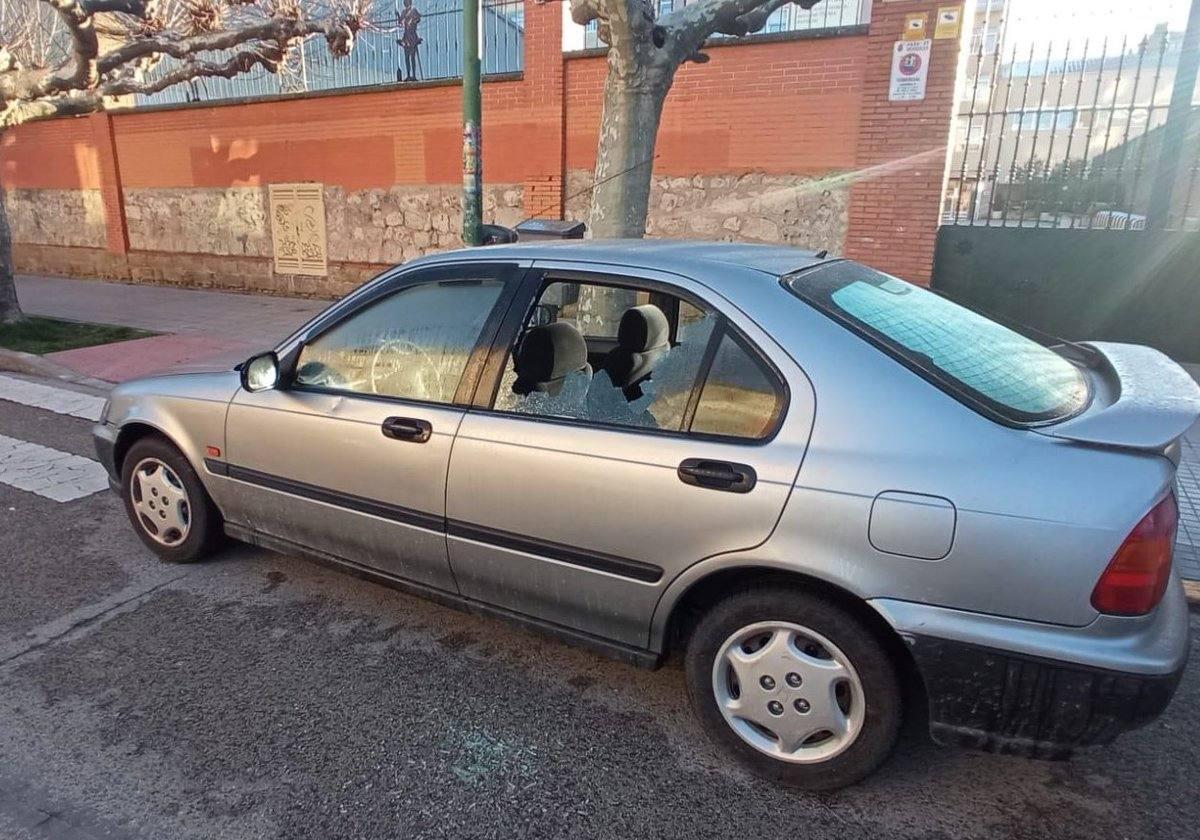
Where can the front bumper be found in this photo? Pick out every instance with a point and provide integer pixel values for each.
(1039, 690)
(104, 437)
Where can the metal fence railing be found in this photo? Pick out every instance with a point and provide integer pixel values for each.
(1073, 132)
(377, 59)
(830, 14)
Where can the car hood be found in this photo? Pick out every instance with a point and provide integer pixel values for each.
(219, 385)
(1146, 401)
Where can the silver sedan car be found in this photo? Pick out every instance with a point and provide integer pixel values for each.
(827, 490)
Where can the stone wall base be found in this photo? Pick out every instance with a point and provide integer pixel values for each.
(245, 274)
(198, 271)
(800, 210)
(64, 218)
(221, 239)
(65, 261)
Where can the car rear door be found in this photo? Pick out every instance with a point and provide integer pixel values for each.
(583, 517)
(348, 455)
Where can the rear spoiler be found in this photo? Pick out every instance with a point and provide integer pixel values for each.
(1147, 402)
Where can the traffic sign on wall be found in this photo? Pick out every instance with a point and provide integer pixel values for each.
(910, 68)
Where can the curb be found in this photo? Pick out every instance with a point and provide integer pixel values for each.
(28, 363)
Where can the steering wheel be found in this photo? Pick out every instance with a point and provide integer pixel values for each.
(388, 362)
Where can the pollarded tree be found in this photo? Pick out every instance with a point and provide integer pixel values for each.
(643, 55)
(64, 57)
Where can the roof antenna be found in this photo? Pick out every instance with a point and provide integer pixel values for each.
(822, 254)
(590, 187)
(503, 235)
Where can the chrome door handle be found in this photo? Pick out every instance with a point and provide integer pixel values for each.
(406, 428)
(718, 475)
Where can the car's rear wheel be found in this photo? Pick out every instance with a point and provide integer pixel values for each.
(168, 506)
(794, 685)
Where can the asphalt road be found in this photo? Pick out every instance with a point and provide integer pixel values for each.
(261, 696)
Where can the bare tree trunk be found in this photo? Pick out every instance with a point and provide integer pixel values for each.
(10, 309)
(635, 88)
(644, 51)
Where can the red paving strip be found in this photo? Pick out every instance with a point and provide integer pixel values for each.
(126, 360)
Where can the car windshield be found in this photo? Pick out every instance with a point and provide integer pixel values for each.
(965, 353)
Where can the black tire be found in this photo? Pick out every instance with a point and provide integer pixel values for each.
(883, 712)
(205, 531)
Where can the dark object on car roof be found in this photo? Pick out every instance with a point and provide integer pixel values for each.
(532, 230)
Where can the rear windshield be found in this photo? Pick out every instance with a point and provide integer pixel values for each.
(977, 360)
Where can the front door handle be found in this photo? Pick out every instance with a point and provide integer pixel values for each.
(406, 428)
(718, 475)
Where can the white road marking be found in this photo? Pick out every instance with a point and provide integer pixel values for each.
(58, 400)
(56, 475)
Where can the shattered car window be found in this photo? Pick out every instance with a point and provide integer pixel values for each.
(665, 395)
(969, 355)
(659, 400)
(413, 344)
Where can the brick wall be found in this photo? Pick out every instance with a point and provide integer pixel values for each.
(59, 154)
(783, 107)
(762, 143)
(901, 152)
(112, 200)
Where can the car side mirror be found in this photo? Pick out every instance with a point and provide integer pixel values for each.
(261, 372)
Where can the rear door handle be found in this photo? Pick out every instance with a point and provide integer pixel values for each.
(718, 475)
(406, 428)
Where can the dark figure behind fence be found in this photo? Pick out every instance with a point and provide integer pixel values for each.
(410, 18)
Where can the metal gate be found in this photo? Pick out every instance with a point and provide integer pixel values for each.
(1072, 198)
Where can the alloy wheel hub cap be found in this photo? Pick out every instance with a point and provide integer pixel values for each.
(788, 692)
(160, 502)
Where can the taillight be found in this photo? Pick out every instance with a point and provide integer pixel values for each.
(1137, 576)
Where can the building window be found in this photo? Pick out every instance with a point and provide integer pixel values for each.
(1042, 121)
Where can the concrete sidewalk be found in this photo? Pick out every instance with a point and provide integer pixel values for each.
(1187, 543)
(200, 328)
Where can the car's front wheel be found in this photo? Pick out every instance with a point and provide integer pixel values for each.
(167, 504)
(796, 686)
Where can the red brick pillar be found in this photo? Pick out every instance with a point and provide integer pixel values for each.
(110, 184)
(895, 206)
(543, 83)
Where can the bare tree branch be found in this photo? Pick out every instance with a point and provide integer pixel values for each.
(584, 12)
(81, 72)
(753, 20)
(242, 62)
(689, 26)
(205, 37)
(85, 46)
(644, 55)
(51, 61)
(340, 35)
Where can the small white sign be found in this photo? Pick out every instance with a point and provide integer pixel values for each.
(910, 68)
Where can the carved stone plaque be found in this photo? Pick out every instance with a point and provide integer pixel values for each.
(298, 229)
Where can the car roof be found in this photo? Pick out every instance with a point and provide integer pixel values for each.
(656, 254)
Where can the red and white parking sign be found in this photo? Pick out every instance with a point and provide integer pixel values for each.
(910, 67)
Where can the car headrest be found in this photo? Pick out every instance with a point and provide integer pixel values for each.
(643, 328)
(547, 354)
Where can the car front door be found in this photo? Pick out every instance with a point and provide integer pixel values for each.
(348, 456)
(576, 499)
